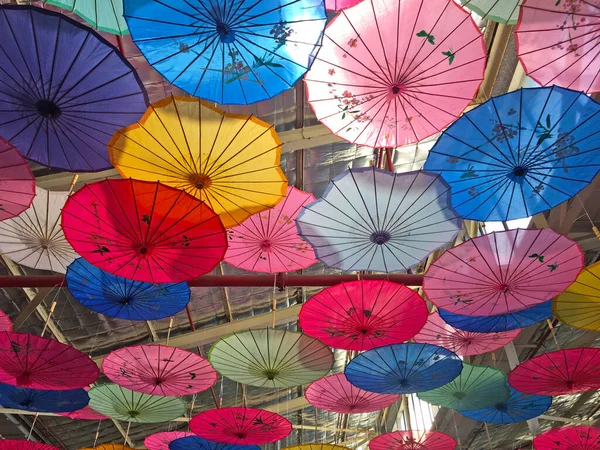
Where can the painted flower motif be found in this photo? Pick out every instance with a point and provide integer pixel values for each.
(473, 192)
(331, 71)
(281, 32)
(353, 42)
(346, 94)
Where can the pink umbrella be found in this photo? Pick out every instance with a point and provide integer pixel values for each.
(503, 272)
(557, 43)
(412, 440)
(159, 370)
(361, 315)
(393, 72)
(161, 441)
(17, 444)
(17, 183)
(335, 394)
(463, 343)
(269, 241)
(337, 5)
(5, 323)
(86, 413)
(240, 426)
(569, 438)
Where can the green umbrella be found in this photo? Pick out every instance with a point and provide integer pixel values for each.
(103, 15)
(476, 387)
(501, 11)
(271, 358)
(119, 403)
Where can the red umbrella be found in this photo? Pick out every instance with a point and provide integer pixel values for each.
(144, 231)
(5, 323)
(412, 440)
(161, 441)
(335, 394)
(17, 183)
(361, 315)
(38, 363)
(240, 426)
(569, 438)
(15, 444)
(571, 371)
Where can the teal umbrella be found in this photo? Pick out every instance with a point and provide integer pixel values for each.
(103, 15)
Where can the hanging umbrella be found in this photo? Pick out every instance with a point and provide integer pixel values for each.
(501, 11)
(198, 443)
(229, 161)
(144, 231)
(413, 439)
(5, 323)
(371, 219)
(335, 394)
(40, 400)
(17, 183)
(503, 272)
(403, 368)
(16, 444)
(476, 387)
(579, 305)
(122, 298)
(109, 447)
(39, 363)
(569, 438)
(392, 73)
(35, 238)
(102, 15)
(571, 371)
(65, 89)
(85, 413)
(338, 5)
(159, 370)
(463, 343)
(162, 441)
(271, 358)
(361, 315)
(240, 426)
(269, 242)
(556, 43)
(316, 447)
(517, 408)
(229, 53)
(519, 154)
(122, 404)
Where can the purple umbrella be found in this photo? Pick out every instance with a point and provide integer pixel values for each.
(64, 90)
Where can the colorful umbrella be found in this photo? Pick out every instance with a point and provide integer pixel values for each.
(335, 394)
(109, 447)
(517, 408)
(85, 413)
(579, 305)
(372, 219)
(144, 231)
(5, 323)
(316, 447)
(476, 387)
(159, 370)
(240, 426)
(39, 400)
(39, 363)
(503, 272)
(519, 154)
(556, 43)
(122, 404)
(391, 74)
(269, 242)
(162, 441)
(361, 315)
(463, 343)
(501, 11)
(15, 444)
(198, 443)
(568, 438)
(413, 439)
(271, 358)
(122, 298)
(571, 371)
(403, 368)
(35, 238)
(102, 15)
(17, 183)
(229, 52)
(338, 5)
(65, 89)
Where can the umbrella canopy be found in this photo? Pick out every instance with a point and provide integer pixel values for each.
(240, 426)
(372, 219)
(35, 238)
(102, 15)
(476, 387)
(571, 371)
(463, 343)
(519, 154)
(413, 439)
(403, 368)
(85, 413)
(17, 183)
(122, 298)
(119, 403)
(41, 400)
(144, 231)
(384, 61)
(16, 444)
(39, 363)
(569, 438)
(5, 323)
(316, 447)
(501, 11)
(66, 89)
(556, 43)
(271, 358)
(229, 161)
(198, 443)
(503, 272)
(230, 52)
(338, 5)
(109, 447)
(336, 394)
(159, 370)
(269, 242)
(162, 441)
(361, 315)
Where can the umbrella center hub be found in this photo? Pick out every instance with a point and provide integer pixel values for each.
(45, 244)
(380, 237)
(133, 414)
(240, 434)
(200, 181)
(519, 171)
(403, 382)
(144, 250)
(398, 89)
(48, 109)
(24, 379)
(459, 395)
(271, 374)
(26, 403)
(501, 407)
(503, 288)
(226, 34)
(126, 300)
(266, 245)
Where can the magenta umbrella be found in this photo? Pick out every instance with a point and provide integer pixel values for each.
(5, 323)
(161, 441)
(17, 183)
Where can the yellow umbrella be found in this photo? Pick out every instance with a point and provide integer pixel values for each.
(230, 161)
(579, 305)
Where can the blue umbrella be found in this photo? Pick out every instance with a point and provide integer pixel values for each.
(517, 408)
(198, 443)
(122, 298)
(500, 322)
(403, 368)
(519, 154)
(228, 51)
(38, 400)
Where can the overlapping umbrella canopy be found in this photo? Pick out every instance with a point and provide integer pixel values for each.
(102, 15)
(42, 400)
(5, 322)
(162, 441)
(501, 11)
(17, 183)
(338, 5)
(17, 444)
(197, 443)
(413, 439)
(569, 438)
